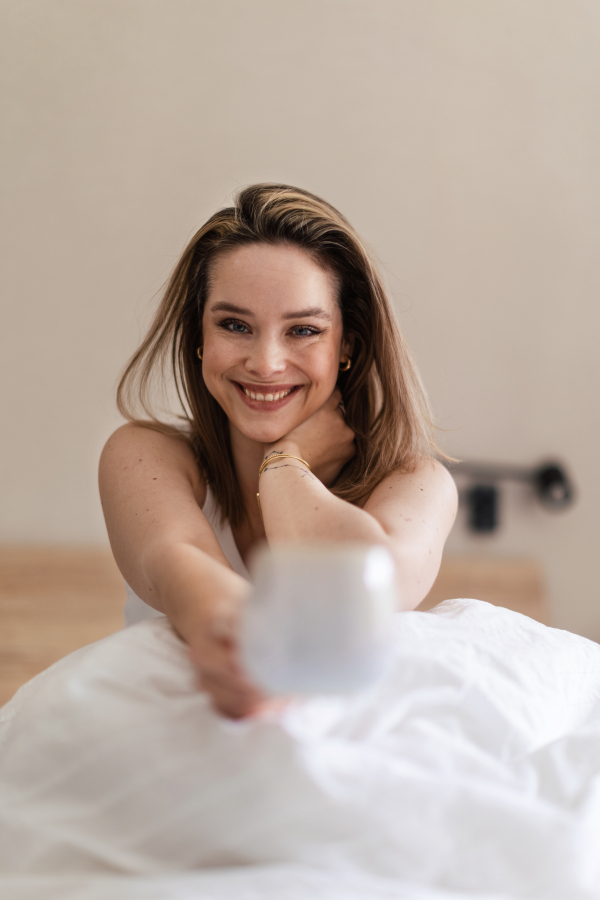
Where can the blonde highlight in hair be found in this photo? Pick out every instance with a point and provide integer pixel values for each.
(384, 400)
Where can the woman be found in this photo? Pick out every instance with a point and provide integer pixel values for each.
(456, 770)
(305, 419)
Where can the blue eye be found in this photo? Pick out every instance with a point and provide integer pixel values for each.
(306, 330)
(234, 326)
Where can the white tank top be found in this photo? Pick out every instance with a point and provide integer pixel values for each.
(135, 608)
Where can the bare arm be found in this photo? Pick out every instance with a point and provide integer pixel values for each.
(151, 497)
(409, 513)
(167, 551)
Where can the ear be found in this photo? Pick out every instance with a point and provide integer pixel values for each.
(348, 344)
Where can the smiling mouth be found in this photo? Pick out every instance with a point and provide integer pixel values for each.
(266, 397)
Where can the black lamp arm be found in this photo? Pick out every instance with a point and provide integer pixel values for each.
(549, 480)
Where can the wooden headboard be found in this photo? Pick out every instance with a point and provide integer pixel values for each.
(56, 599)
(517, 584)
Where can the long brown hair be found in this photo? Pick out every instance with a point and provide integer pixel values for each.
(385, 404)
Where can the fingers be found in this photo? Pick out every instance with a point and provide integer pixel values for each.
(335, 399)
(335, 403)
(215, 656)
(231, 697)
(271, 708)
(222, 677)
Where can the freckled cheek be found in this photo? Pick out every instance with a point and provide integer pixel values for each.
(211, 374)
(218, 356)
(320, 361)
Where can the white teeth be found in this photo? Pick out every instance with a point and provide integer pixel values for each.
(269, 398)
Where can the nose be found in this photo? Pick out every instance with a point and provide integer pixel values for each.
(266, 357)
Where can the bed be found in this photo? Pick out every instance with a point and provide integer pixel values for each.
(472, 769)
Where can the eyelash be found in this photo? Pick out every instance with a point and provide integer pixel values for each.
(227, 322)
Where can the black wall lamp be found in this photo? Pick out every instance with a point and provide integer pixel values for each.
(549, 481)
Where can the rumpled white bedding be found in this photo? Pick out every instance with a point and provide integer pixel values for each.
(471, 770)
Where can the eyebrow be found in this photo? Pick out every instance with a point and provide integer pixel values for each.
(311, 312)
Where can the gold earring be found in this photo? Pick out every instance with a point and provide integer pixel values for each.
(344, 366)
(199, 353)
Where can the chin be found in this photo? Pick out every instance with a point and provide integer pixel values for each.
(264, 429)
(264, 435)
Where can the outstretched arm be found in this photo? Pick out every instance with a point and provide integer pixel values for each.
(152, 498)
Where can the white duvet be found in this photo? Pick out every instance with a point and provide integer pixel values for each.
(471, 770)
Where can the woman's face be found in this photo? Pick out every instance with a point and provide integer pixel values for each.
(272, 338)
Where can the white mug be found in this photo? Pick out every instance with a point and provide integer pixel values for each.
(319, 617)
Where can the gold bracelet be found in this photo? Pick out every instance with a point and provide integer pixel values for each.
(271, 459)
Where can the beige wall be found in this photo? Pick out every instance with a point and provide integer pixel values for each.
(460, 136)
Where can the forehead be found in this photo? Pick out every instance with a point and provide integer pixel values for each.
(265, 274)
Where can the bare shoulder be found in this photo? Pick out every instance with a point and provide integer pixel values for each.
(137, 452)
(427, 496)
(429, 477)
(130, 438)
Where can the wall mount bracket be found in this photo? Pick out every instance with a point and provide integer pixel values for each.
(548, 480)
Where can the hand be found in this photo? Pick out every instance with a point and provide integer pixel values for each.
(214, 650)
(324, 440)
